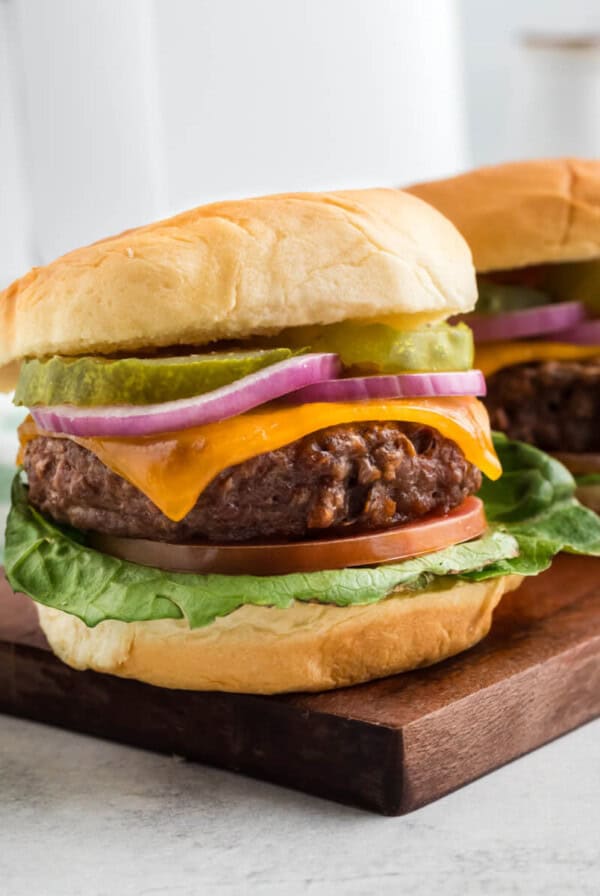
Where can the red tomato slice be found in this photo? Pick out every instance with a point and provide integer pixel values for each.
(432, 533)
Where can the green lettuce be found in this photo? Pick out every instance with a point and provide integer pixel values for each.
(53, 565)
(534, 501)
(584, 479)
(532, 512)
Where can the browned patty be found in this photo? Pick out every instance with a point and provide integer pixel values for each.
(552, 404)
(359, 476)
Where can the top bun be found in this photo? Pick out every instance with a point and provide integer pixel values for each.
(232, 270)
(523, 213)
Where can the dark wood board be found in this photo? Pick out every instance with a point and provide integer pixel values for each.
(389, 746)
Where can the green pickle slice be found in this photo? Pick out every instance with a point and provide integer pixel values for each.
(363, 348)
(366, 348)
(576, 281)
(92, 382)
(497, 298)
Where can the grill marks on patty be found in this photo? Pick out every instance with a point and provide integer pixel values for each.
(552, 404)
(353, 477)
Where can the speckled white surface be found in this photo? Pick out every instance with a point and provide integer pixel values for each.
(81, 817)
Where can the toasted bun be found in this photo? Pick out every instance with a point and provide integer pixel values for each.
(523, 213)
(262, 650)
(237, 269)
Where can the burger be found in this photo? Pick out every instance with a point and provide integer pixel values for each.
(534, 230)
(254, 447)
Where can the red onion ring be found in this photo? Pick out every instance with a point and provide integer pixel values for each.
(587, 333)
(527, 322)
(403, 385)
(228, 401)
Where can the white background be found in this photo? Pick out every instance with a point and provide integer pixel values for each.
(494, 74)
(114, 112)
(133, 109)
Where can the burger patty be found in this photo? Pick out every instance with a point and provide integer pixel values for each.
(552, 404)
(360, 476)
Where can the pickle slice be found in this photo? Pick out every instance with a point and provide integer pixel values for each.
(92, 381)
(379, 348)
(576, 281)
(496, 298)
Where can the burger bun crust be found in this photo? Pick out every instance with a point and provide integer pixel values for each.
(265, 650)
(233, 270)
(523, 213)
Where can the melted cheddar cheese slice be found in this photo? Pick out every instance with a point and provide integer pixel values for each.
(493, 356)
(173, 469)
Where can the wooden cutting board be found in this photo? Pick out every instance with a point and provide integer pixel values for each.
(389, 746)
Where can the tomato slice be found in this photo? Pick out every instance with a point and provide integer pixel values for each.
(432, 533)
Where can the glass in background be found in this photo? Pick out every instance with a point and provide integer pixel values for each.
(504, 120)
(554, 106)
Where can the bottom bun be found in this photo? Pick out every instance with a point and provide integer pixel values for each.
(264, 650)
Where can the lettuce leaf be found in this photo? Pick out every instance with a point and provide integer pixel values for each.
(534, 501)
(52, 565)
(532, 512)
(532, 482)
(587, 479)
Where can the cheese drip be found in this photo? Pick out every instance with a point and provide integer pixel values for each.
(491, 357)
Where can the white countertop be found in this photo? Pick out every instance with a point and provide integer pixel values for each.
(82, 817)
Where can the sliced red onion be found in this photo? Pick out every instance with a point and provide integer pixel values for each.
(228, 401)
(586, 333)
(403, 385)
(528, 322)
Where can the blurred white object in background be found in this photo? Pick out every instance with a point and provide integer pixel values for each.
(10, 417)
(16, 237)
(554, 107)
(138, 108)
(88, 82)
(490, 29)
(267, 95)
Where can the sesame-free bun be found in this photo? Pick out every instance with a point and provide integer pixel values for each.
(523, 213)
(232, 270)
(265, 650)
